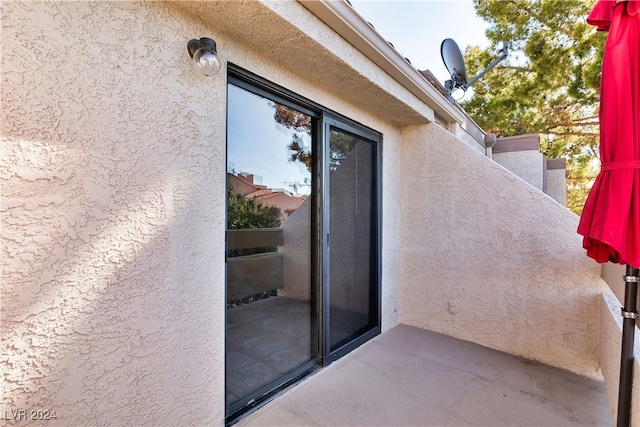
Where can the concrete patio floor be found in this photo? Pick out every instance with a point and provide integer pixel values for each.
(412, 377)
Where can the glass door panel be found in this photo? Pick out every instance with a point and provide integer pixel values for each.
(270, 328)
(303, 238)
(352, 245)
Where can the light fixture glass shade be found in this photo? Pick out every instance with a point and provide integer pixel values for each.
(206, 61)
(204, 55)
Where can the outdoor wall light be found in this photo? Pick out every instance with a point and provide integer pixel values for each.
(204, 55)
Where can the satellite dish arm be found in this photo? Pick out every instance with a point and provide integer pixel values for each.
(502, 57)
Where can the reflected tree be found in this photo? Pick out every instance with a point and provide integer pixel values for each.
(301, 124)
(291, 118)
(299, 152)
(341, 144)
(244, 213)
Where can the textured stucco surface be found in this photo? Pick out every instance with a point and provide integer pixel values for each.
(113, 187)
(528, 165)
(556, 185)
(613, 274)
(487, 258)
(292, 37)
(610, 351)
(471, 141)
(112, 226)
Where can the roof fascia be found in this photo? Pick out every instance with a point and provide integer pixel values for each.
(345, 21)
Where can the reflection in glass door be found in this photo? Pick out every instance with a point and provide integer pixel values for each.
(353, 242)
(271, 327)
(303, 227)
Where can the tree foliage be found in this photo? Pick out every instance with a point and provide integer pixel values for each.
(291, 118)
(550, 84)
(340, 146)
(245, 213)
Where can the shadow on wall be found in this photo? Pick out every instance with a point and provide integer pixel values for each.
(109, 216)
(88, 300)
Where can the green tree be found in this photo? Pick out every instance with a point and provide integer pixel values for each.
(549, 85)
(245, 213)
(300, 123)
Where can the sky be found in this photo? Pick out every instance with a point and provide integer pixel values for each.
(261, 149)
(417, 28)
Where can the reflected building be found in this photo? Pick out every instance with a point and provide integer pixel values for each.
(243, 184)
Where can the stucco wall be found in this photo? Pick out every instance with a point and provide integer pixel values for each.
(528, 165)
(113, 186)
(487, 258)
(610, 352)
(112, 176)
(296, 252)
(613, 274)
(556, 185)
(113, 182)
(471, 141)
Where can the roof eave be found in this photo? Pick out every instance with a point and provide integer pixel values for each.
(345, 21)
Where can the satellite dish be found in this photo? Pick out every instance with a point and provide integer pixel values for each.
(453, 60)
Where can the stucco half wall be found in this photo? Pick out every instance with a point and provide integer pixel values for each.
(610, 352)
(488, 258)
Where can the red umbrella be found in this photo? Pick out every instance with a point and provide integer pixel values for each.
(610, 221)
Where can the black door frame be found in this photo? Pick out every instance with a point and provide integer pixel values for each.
(331, 120)
(324, 119)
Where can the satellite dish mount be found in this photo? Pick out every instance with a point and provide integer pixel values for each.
(453, 60)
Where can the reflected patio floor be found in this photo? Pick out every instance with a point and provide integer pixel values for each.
(265, 339)
(412, 377)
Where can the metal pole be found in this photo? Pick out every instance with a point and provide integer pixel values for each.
(630, 315)
(504, 53)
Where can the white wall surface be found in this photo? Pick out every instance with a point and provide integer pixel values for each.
(610, 352)
(471, 141)
(112, 222)
(487, 258)
(528, 165)
(113, 188)
(556, 185)
(613, 275)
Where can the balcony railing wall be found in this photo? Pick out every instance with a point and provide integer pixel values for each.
(611, 340)
(488, 258)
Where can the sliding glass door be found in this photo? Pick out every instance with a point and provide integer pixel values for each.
(303, 246)
(351, 217)
(271, 316)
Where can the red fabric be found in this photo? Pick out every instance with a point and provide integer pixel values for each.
(602, 13)
(610, 221)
